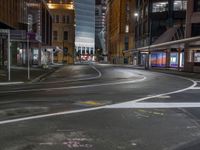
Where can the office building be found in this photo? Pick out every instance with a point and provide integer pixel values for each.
(63, 29)
(85, 30)
(120, 30)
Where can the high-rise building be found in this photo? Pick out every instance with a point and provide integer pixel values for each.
(100, 12)
(120, 30)
(85, 29)
(63, 30)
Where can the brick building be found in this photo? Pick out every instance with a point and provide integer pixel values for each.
(63, 29)
(120, 30)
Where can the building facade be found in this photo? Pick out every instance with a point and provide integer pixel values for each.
(160, 22)
(29, 23)
(85, 30)
(120, 30)
(11, 17)
(63, 29)
(100, 11)
(192, 52)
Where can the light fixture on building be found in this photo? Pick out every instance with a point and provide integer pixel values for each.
(136, 14)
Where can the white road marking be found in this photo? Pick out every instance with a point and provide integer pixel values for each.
(49, 115)
(154, 105)
(76, 87)
(10, 83)
(101, 107)
(195, 88)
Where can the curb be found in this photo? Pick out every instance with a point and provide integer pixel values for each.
(43, 76)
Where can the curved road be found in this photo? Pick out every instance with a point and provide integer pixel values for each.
(101, 107)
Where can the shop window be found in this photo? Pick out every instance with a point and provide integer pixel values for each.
(158, 59)
(197, 57)
(160, 6)
(180, 5)
(196, 5)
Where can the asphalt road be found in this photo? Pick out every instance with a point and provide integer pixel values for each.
(99, 107)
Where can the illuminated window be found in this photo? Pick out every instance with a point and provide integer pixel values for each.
(180, 5)
(127, 29)
(197, 57)
(160, 6)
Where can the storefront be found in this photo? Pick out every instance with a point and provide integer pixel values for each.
(158, 59)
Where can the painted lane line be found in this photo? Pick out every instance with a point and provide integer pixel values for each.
(49, 115)
(195, 88)
(155, 96)
(10, 83)
(95, 108)
(155, 105)
(98, 108)
(76, 87)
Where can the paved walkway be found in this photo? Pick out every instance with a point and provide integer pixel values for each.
(20, 74)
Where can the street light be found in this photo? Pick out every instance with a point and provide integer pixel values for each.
(136, 14)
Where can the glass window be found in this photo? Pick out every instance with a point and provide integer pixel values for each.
(55, 35)
(197, 57)
(67, 19)
(127, 29)
(195, 29)
(65, 35)
(196, 5)
(160, 6)
(57, 18)
(88, 50)
(180, 5)
(63, 19)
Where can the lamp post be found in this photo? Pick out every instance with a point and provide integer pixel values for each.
(136, 15)
(29, 28)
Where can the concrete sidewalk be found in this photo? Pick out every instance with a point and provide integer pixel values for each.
(19, 75)
(173, 71)
(177, 72)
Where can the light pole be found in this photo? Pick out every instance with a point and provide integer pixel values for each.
(136, 14)
(29, 26)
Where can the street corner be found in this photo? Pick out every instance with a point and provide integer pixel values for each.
(92, 103)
